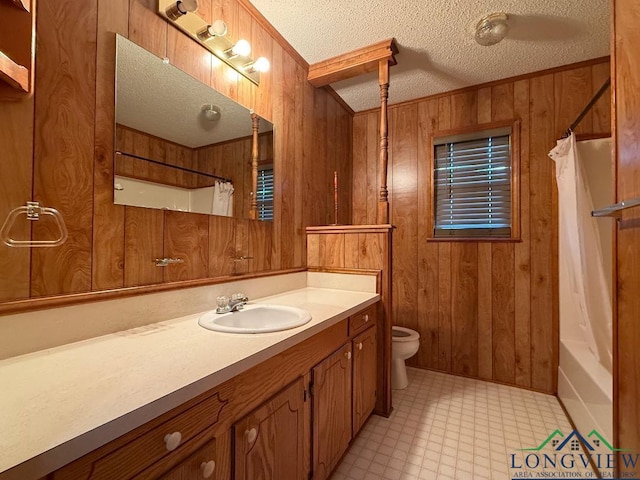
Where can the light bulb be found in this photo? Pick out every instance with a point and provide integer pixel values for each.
(219, 28)
(216, 29)
(187, 6)
(261, 65)
(180, 8)
(241, 48)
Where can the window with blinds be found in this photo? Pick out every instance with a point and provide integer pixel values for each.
(265, 194)
(473, 185)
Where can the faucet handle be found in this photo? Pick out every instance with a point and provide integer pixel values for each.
(222, 302)
(239, 297)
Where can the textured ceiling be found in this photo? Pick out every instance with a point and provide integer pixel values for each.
(437, 50)
(161, 100)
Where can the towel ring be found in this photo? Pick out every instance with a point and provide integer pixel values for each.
(33, 210)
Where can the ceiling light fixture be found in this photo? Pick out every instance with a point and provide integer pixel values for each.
(215, 37)
(211, 112)
(491, 29)
(216, 29)
(180, 8)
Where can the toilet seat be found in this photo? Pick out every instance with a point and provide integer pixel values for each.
(401, 334)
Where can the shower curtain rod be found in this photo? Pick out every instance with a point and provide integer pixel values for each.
(184, 169)
(593, 101)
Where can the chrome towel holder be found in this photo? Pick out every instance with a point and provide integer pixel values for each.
(615, 211)
(33, 211)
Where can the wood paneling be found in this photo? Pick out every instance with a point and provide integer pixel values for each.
(368, 247)
(186, 236)
(483, 309)
(364, 377)
(64, 144)
(331, 396)
(277, 450)
(73, 151)
(626, 81)
(15, 191)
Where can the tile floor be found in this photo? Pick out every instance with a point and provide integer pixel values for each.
(446, 427)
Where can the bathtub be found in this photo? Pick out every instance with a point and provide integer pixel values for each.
(585, 388)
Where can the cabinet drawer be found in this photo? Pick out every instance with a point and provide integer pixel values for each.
(201, 464)
(152, 446)
(362, 320)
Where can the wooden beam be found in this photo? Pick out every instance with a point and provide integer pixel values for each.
(352, 64)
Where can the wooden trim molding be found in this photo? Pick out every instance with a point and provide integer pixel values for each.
(329, 229)
(352, 64)
(503, 81)
(32, 304)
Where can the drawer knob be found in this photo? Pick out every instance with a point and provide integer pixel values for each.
(251, 435)
(366, 317)
(348, 355)
(172, 440)
(208, 468)
(359, 345)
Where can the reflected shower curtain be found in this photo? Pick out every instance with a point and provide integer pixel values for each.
(222, 203)
(581, 258)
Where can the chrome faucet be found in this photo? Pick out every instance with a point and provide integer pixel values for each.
(233, 304)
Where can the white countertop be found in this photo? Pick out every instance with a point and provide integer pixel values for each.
(59, 404)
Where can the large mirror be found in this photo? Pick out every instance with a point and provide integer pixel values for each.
(180, 145)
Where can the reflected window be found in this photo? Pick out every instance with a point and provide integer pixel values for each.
(265, 193)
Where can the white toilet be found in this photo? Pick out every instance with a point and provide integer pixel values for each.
(405, 345)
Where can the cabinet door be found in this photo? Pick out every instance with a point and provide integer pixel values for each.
(364, 377)
(201, 464)
(331, 395)
(269, 442)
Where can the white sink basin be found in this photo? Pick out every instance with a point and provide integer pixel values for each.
(255, 318)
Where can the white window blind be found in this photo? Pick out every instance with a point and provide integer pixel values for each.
(472, 179)
(265, 194)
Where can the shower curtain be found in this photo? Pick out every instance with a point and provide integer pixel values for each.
(581, 259)
(222, 203)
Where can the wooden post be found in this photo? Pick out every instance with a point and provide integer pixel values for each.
(383, 200)
(253, 211)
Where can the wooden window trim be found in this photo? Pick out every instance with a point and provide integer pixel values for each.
(515, 181)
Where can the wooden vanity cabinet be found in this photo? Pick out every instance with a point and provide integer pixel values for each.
(151, 450)
(364, 377)
(292, 416)
(204, 463)
(270, 442)
(331, 397)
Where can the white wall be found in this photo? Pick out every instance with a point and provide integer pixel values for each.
(139, 193)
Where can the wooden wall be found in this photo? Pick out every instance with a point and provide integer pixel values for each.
(485, 310)
(69, 125)
(135, 142)
(626, 330)
(232, 160)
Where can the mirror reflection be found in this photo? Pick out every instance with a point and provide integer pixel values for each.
(180, 145)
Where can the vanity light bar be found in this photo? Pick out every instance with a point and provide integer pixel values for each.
(214, 38)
